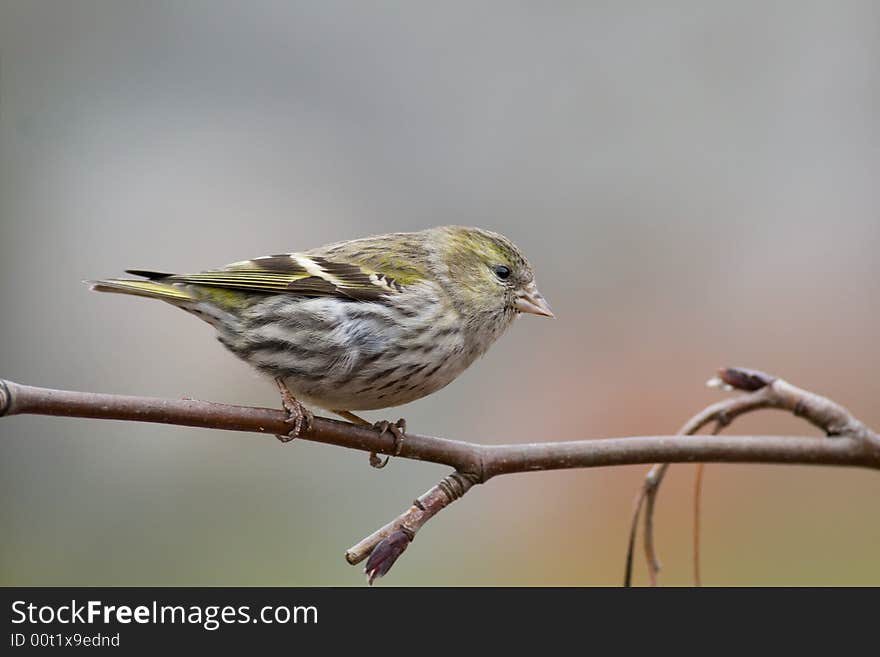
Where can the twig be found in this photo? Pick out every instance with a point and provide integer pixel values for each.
(764, 391)
(633, 531)
(386, 544)
(698, 492)
(698, 486)
(473, 463)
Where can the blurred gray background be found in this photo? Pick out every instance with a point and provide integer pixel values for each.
(696, 185)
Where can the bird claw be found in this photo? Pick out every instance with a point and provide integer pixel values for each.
(298, 415)
(396, 429)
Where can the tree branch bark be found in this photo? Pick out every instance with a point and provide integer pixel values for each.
(486, 461)
(473, 463)
(18, 399)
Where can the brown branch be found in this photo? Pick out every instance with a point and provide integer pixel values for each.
(633, 531)
(17, 399)
(386, 544)
(698, 487)
(764, 391)
(473, 463)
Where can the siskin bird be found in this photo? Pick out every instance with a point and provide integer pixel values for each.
(364, 324)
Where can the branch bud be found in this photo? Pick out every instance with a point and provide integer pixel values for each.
(741, 378)
(386, 553)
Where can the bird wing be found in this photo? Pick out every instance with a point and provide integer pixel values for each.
(295, 273)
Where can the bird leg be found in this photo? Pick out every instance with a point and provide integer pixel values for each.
(297, 414)
(396, 429)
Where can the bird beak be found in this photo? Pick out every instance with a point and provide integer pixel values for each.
(529, 300)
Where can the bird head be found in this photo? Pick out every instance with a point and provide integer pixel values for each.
(487, 273)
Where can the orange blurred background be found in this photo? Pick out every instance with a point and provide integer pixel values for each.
(695, 186)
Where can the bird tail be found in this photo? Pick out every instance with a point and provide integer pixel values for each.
(152, 289)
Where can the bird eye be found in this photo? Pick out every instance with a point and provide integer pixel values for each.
(502, 272)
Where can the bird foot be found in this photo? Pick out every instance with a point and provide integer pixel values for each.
(396, 429)
(298, 416)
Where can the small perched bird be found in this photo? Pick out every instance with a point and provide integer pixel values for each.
(364, 324)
